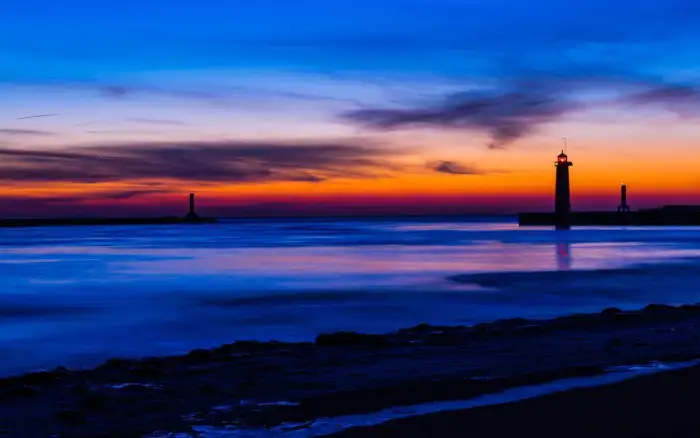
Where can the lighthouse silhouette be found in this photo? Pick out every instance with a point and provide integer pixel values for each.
(562, 197)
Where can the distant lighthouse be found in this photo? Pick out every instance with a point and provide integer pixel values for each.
(623, 207)
(192, 215)
(562, 199)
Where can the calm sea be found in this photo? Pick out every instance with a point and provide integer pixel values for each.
(78, 296)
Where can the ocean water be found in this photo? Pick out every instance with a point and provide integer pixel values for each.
(76, 296)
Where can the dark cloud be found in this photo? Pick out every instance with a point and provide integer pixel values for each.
(27, 132)
(454, 168)
(114, 195)
(524, 100)
(680, 98)
(506, 115)
(130, 194)
(116, 91)
(221, 162)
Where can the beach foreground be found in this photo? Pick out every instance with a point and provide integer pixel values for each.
(256, 386)
(660, 405)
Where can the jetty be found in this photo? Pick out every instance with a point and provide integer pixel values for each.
(190, 218)
(669, 215)
(562, 218)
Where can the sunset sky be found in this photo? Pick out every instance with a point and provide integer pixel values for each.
(362, 106)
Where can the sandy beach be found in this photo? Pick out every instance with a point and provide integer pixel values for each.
(255, 386)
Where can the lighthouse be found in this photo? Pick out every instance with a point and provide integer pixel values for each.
(562, 197)
(192, 215)
(623, 207)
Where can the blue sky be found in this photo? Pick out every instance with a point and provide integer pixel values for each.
(79, 39)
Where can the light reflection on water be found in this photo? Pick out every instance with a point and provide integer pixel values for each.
(77, 296)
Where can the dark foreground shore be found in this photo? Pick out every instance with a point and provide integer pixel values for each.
(661, 405)
(261, 386)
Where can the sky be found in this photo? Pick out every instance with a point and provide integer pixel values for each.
(345, 107)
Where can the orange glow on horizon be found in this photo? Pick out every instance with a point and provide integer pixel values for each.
(516, 178)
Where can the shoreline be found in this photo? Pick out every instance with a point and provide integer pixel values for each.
(662, 404)
(250, 384)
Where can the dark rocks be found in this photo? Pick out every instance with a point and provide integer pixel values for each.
(659, 308)
(690, 308)
(488, 330)
(249, 346)
(94, 401)
(23, 391)
(625, 317)
(117, 364)
(511, 322)
(342, 373)
(146, 371)
(451, 337)
(529, 329)
(578, 320)
(39, 378)
(610, 311)
(73, 416)
(208, 388)
(423, 327)
(224, 350)
(350, 339)
(200, 355)
(615, 343)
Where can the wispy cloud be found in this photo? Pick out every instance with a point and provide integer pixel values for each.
(37, 116)
(24, 132)
(681, 98)
(217, 90)
(221, 162)
(118, 132)
(506, 115)
(454, 168)
(160, 122)
(113, 195)
(521, 103)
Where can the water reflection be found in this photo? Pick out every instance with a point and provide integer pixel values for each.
(78, 296)
(563, 256)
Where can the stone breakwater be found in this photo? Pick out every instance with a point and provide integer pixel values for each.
(265, 384)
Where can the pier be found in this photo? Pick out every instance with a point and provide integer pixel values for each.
(562, 218)
(191, 218)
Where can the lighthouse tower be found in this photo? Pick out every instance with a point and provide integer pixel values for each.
(192, 215)
(623, 207)
(562, 199)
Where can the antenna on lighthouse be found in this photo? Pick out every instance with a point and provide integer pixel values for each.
(564, 138)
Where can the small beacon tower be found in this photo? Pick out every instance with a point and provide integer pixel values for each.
(192, 215)
(623, 207)
(562, 198)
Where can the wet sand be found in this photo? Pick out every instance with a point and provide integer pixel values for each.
(254, 385)
(660, 405)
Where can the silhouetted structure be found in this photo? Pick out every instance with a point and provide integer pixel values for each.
(563, 218)
(666, 215)
(192, 215)
(562, 200)
(623, 207)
